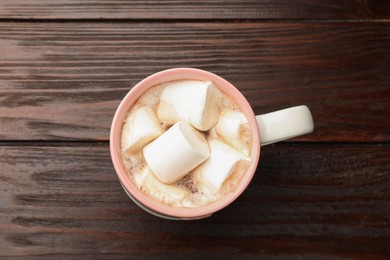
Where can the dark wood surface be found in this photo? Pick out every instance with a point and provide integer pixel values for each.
(65, 66)
(64, 199)
(64, 81)
(200, 9)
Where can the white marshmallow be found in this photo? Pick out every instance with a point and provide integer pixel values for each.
(169, 194)
(233, 127)
(176, 152)
(221, 164)
(139, 129)
(191, 101)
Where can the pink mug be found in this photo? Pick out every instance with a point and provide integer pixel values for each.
(266, 129)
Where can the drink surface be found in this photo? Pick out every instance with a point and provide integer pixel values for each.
(230, 144)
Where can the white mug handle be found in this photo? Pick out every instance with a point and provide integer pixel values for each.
(284, 124)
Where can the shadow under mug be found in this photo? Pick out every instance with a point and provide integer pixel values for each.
(268, 128)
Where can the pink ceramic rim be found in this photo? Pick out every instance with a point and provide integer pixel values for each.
(129, 100)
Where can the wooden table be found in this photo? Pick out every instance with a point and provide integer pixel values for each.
(65, 66)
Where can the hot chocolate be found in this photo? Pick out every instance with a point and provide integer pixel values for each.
(185, 143)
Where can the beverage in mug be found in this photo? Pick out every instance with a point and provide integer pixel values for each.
(185, 142)
(171, 116)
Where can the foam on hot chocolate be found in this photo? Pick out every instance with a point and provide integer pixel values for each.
(229, 136)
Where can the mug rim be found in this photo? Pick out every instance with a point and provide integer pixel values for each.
(133, 95)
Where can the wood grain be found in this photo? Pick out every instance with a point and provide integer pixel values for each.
(202, 9)
(321, 201)
(64, 81)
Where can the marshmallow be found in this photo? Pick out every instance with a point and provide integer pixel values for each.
(176, 152)
(223, 161)
(169, 194)
(191, 101)
(139, 129)
(233, 127)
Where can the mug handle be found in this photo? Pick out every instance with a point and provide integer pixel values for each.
(284, 124)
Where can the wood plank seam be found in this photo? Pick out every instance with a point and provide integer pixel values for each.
(200, 20)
